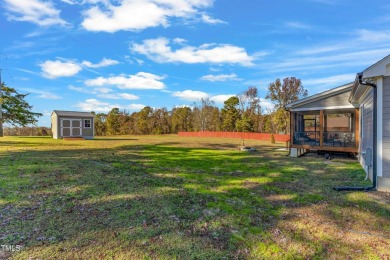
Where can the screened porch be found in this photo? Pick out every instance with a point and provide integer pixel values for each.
(329, 130)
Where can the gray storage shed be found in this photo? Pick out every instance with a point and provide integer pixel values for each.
(72, 124)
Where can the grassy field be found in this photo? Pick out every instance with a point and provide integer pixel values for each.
(167, 197)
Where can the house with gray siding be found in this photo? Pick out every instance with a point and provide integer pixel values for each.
(72, 124)
(375, 78)
(349, 118)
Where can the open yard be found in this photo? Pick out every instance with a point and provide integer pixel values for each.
(170, 197)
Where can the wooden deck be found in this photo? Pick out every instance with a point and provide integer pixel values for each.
(327, 148)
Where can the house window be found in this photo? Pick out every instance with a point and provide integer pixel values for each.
(87, 123)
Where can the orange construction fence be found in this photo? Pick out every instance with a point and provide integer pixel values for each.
(240, 135)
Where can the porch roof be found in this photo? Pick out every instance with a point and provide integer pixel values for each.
(336, 98)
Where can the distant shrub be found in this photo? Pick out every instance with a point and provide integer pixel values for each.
(272, 139)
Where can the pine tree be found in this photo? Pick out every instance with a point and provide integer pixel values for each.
(14, 109)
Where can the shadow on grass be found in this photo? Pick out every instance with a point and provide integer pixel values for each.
(177, 202)
(113, 139)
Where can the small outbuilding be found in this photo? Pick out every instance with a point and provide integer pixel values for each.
(72, 124)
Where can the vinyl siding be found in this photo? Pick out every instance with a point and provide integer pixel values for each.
(337, 100)
(54, 126)
(88, 132)
(367, 129)
(386, 127)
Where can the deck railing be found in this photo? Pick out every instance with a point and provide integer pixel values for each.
(339, 139)
(307, 138)
(329, 139)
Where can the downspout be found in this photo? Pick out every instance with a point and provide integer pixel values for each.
(374, 152)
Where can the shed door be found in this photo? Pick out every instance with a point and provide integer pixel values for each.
(76, 127)
(70, 127)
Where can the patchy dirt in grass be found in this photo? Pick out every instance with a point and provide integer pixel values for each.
(164, 197)
(332, 235)
(380, 197)
(333, 162)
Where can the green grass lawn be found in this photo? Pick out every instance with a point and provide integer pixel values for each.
(169, 197)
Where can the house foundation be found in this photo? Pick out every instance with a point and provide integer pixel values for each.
(296, 152)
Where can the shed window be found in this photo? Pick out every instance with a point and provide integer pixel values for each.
(87, 123)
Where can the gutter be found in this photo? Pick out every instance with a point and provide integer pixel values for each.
(374, 152)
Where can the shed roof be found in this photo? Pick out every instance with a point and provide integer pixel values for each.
(72, 113)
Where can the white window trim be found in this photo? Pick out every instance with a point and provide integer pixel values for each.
(90, 123)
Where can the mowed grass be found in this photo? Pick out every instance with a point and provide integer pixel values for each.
(170, 197)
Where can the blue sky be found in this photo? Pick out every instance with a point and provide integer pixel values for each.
(94, 55)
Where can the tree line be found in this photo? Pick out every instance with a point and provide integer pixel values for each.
(240, 113)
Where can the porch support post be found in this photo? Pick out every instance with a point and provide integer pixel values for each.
(357, 126)
(292, 127)
(321, 127)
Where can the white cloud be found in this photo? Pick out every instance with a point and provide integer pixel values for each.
(42, 13)
(193, 95)
(215, 69)
(331, 60)
(331, 81)
(71, 2)
(43, 94)
(210, 20)
(141, 80)
(160, 51)
(220, 78)
(179, 40)
(266, 105)
(28, 71)
(47, 95)
(130, 15)
(105, 107)
(100, 90)
(373, 36)
(119, 96)
(95, 105)
(55, 69)
(135, 106)
(220, 99)
(354, 51)
(78, 89)
(67, 68)
(190, 95)
(298, 25)
(103, 63)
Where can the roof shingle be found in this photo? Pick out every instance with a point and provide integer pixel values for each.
(72, 113)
